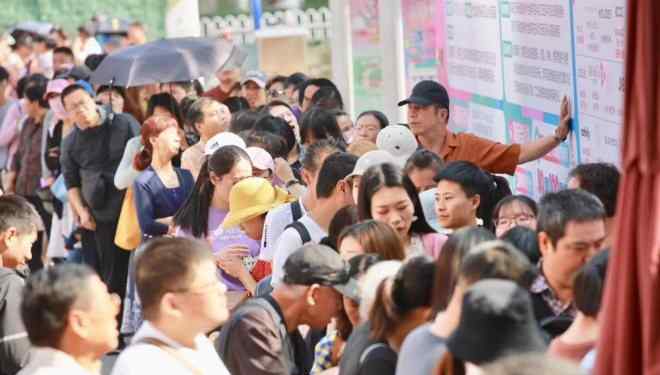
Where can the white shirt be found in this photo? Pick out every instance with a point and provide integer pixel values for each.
(142, 358)
(49, 361)
(276, 221)
(289, 242)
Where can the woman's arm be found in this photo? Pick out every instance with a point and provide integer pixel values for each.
(126, 174)
(144, 204)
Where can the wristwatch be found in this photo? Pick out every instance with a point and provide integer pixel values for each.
(558, 138)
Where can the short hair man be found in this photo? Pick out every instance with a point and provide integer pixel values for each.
(209, 118)
(428, 117)
(601, 180)
(279, 218)
(18, 231)
(182, 300)
(227, 80)
(90, 156)
(333, 192)
(254, 88)
(136, 34)
(71, 320)
(262, 335)
(571, 229)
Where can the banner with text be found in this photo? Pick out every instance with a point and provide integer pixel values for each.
(508, 64)
(367, 55)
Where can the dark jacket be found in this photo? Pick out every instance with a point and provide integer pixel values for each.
(255, 341)
(90, 158)
(14, 343)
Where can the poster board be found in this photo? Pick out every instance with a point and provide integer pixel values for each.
(368, 87)
(507, 65)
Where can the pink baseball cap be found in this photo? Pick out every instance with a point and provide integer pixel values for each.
(261, 159)
(55, 87)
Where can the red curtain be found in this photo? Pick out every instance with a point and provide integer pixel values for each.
(630, 319)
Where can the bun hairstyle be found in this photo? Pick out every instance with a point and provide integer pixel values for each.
(473, 180)
(396, 297)
(152, 127)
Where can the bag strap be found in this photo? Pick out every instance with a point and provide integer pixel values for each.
(370, 349)
(302, 231)
(296, 210)
(160, 344)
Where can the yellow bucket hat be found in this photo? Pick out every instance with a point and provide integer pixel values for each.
(252, 197)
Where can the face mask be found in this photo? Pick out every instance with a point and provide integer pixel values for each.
(58, 108)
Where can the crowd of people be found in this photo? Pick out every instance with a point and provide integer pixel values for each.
(255, 228)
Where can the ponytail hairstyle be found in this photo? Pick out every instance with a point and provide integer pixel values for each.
(396, 297)
(473, 180)
(193, 216)
(151, 128)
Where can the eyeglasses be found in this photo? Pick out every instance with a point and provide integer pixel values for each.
(275, 93)
(513, 221)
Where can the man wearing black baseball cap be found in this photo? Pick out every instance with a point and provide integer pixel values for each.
(428, 116)
(262, 336)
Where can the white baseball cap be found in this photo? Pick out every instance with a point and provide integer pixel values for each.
(261, 159)
(399, 141)
(370, 159)
(223, 139)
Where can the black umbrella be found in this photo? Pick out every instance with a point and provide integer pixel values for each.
(167, 60)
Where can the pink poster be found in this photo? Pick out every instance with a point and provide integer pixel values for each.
(367, 55)
(420, 45)
(440, 41)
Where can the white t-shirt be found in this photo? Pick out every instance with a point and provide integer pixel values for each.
(289, 242)
(142, 358)
(49, 361)
(276, 221)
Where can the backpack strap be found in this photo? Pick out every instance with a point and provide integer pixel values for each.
(370, 349)
(296, 210)
(302, 231)
(172, 352)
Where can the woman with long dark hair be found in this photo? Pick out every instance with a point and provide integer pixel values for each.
(388, 195)
(208, 205)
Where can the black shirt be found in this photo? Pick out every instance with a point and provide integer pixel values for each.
(90, 159)
(355, 346)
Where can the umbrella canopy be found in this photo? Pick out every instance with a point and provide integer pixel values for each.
(630, 334)
(33, 27)
(167, 60)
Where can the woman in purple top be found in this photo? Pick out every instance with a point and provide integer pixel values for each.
(206, 207)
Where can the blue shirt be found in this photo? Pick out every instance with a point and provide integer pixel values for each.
(155, 201)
